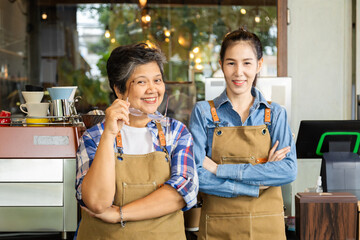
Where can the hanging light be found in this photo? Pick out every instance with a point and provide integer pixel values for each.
(146, 18)
(196, 50)
(150, 44)
(182, 41)
(44, 16)
(191, 55)
(243, 11)
(167, 33)
(257, 19)
(142, 3)
(107, 32)
(112, 40)
(199, 67)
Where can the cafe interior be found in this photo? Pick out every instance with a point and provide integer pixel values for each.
(53, 86)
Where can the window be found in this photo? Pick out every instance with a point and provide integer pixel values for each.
(68, 42)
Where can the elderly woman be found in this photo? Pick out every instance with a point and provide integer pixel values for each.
(136, 170)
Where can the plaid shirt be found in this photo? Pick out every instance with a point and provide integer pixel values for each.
(179, 144)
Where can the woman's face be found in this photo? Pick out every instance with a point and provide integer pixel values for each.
(240, 67)
(146, 88)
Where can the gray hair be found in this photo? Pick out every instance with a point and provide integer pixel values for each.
(124, 59)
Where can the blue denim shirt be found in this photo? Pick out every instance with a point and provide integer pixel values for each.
(232, 180)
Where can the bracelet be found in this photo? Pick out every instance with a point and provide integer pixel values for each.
(122, 222)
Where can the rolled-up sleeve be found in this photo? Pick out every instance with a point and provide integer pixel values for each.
(184, 177)
(84, 157)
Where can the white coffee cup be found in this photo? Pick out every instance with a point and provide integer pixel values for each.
(32, 97)
(35, 109)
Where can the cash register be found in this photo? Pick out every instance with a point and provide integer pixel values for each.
(337, 143)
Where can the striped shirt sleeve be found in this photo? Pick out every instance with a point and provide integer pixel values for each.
(184, 177)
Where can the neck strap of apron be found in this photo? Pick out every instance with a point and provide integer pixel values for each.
(215, 117)
(162, 141)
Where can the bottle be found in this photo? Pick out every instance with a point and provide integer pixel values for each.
(319, 188)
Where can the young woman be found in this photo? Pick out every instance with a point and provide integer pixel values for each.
(239, 172)
(136, 168)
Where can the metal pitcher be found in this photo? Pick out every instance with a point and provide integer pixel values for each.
(60, 108)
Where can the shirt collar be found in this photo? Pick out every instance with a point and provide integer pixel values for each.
(259, 99)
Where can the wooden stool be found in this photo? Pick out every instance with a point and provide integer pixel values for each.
(326, 215)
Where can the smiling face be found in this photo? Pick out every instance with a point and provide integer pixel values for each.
(240, 67)
(146, 88)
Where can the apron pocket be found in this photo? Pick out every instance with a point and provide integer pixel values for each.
(263, 230)
(134, 191)
(237, 160)
(228, 226)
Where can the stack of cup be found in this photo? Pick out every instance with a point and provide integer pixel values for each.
(36, 110)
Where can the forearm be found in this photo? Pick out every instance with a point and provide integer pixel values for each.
(210, 184)
(98, 187)
(163, 201)
(269, 174)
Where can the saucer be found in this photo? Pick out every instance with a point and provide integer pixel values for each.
(37, 122)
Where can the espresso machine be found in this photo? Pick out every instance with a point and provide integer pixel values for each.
(37, 179)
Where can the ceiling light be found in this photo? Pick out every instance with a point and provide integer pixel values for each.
(142, 3)
(107, 33)
(167, 33)
(146, 18)
(199, 67)
(196, 50)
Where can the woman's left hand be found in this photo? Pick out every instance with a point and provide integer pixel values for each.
(110, 215)
(210, 165)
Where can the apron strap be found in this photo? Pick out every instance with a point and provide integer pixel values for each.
(119, 140)
(214, 115)
(162, 140)
(267, 116)
(161, 135)
(119, 146)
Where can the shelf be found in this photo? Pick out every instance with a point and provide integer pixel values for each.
(11, 53)
(14, 79)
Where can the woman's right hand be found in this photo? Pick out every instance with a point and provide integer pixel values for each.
(116, 115)
(110, 215)
(279, 154)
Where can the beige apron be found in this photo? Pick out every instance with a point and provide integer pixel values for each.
(243, 217)
(136, 177)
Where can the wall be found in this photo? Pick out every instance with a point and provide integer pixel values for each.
(319, 62)
(319, 59)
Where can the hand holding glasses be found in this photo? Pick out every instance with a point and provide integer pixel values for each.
(153, 116)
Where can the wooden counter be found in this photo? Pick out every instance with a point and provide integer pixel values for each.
(326, 215)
